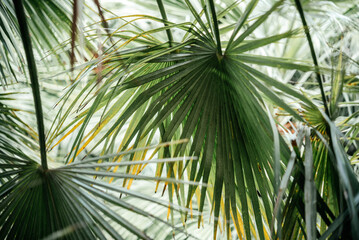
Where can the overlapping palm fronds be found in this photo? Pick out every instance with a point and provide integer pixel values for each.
(196, 89)
(217, 79)
(49, 25)
(42, 202)
(325, 186)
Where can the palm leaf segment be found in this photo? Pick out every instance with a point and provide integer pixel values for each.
(49, 25)
(333, 175)
(191, 90)
(63, 202)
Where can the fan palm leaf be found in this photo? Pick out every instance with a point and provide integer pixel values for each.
(61, 202)
(196, 90)
(335, 180)
(204, 82)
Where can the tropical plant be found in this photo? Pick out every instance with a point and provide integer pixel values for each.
(60, 201)
(232, 106)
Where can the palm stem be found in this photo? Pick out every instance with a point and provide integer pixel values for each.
(26, 40)
(332, 156)
(215, 26)
(314, 57)
(164, 17)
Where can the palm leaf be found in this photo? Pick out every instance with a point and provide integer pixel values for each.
(199, 93)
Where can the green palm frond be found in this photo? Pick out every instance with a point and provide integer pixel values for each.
(189, 101)
(68, 198)
(335, 181)
(195, 92)
(49, 25)
(60, 202)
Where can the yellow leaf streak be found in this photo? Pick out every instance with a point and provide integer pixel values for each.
(103, 123)
(239, 231)
(68, 133)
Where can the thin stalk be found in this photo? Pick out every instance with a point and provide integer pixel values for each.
(317, 72)
(26, 40)
(73, 31)
(333, 156)
(314, 57)
(103, 20)
(164, 17)
(215, 26)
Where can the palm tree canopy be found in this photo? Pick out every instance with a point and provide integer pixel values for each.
(247, 111)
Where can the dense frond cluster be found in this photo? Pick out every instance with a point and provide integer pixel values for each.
(244, 111)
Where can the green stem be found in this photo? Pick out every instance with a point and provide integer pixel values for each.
(26, 40)
(215, 26)
(314, 57)
(333, 156)
(318, 75)
(164, 17)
